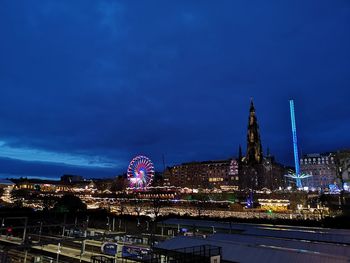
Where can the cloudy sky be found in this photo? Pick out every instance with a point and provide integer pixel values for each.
(87, 85)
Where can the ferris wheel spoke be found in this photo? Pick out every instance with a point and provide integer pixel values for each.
(140, 172)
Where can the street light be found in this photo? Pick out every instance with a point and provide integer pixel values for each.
(87, 225)
(58, 251)
(138, 222)
(109, 229)
(40, 229)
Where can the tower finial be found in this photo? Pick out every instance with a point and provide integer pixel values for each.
(252, 108)
(240, 156)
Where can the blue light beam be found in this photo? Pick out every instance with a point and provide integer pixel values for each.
(295, 144)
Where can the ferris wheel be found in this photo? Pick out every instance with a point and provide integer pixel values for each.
(140, 172)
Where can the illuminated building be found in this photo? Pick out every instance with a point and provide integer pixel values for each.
(40, 185)
(274, 204)
(321, 167)
(208, 174)
(6, 186)
(52, 185)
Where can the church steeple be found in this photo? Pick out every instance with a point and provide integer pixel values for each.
(254, 150)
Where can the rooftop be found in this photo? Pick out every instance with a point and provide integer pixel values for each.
(266, 243)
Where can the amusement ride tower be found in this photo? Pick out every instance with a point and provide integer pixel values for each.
(298, 175)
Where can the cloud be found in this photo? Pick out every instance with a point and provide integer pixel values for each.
(11, 168)
(96, 83)
(37, 155)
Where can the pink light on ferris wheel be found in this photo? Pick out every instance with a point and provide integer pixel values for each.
(140, 172)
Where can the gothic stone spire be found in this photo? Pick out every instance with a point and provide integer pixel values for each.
(254, 150)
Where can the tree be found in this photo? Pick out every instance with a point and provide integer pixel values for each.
(103, 184)
(49, 202)
(322, 202)
(69, 203)
(119, 184)
(156, 206)
(138, 207)
(18, 204)
(122, 207)
(201, 203)
(19, 194)
(157, 179)
(156, 202)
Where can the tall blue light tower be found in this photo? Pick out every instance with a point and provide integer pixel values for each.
(297, 175)
(295, 144)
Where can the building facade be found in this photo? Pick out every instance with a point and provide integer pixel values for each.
(209, 174)
(321, 167)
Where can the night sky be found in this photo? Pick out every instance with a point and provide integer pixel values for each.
(87, 85)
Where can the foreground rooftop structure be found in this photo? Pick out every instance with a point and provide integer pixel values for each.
(264, 243)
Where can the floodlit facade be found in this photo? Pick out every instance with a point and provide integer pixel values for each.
(209, 174)
(322, 169)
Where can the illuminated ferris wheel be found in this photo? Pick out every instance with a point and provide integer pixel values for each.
(140, 172)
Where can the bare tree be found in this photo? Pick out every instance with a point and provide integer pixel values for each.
(201, 203)
(156, 206)
(122, 207)
(137, 209)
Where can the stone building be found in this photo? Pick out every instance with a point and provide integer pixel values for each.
(322, 168)
(209, 174)
(256, 171)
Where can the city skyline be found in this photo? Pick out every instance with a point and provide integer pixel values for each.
(86, 89)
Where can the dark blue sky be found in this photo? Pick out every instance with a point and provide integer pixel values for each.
(86, 85)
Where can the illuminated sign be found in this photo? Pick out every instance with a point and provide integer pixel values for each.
(109, 248)
(134, 252)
